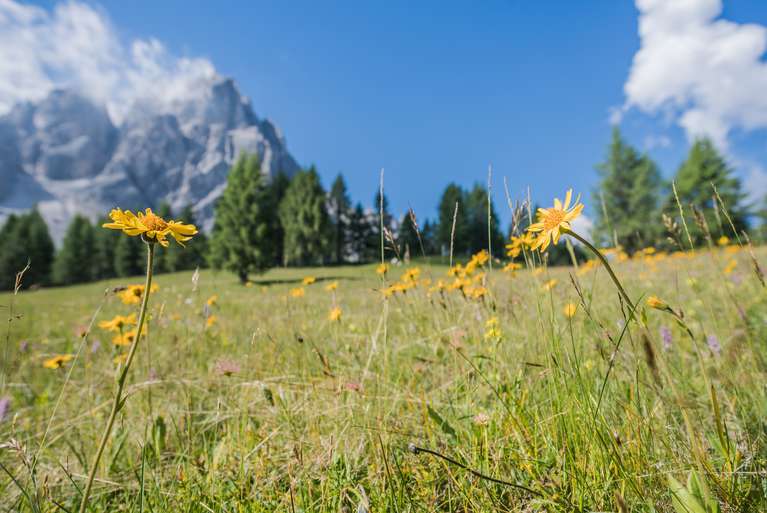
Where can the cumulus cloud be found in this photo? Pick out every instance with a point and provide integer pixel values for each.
(76, 46)
(704, 72)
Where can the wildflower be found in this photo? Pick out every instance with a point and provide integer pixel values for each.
(95, 346)
(120, 359)
(511, 267)
(665, 335)
(335, 314)
(517, 244)
(212, 300)
(714, 345)
(297, 292)
(481, 419)
(569, 310)
(554, 221)
(5, 407)
(382, 269)
(227, 367)
(308, 280)
(550, 284)
(657, 303)
(150, 226)
(493, 329)
(133, 294)
(731, 265)
(125, 339)
(411, 275)
(723, 240)
(210, 321)
(330, 287)
(118, 322)
(57, 362)
(477, 292)
(481, 257)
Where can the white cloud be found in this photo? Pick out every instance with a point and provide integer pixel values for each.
(656, 141)
(75, 45)
(706, 73)
(583, 225)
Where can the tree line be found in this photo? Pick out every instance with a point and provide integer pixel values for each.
(262, 222)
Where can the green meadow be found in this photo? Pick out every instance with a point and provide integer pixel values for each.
(516, 390)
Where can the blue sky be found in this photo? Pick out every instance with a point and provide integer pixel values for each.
(436, 91)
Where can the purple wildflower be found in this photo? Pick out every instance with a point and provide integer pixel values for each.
(23, 346)
(665, 335)
(95, 345)
(714, 345)
(5, 407)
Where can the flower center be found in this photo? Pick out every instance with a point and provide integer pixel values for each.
(553, 219)
(154, 222)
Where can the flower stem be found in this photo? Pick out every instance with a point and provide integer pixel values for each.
(119, 401)
(604, 261)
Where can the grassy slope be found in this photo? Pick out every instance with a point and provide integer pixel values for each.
(320, 413)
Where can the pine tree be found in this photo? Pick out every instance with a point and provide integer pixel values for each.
(408, 237)
(477, 231)
(705, 168)
(194, 254)
(26, 240)
(243, 232)
(105, 242)
(626, 199)
(305, 220)
(339, 207)
(129, 257)
(373, 245)
(75, 260)
(444, 233)
(360, 232)
(12, 258)
(277, 188)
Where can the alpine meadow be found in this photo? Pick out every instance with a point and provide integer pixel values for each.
(193, 321)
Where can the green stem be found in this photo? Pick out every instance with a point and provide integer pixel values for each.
(118, 399)
(604, 261)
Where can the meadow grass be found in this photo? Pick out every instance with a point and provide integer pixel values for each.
(259, 402)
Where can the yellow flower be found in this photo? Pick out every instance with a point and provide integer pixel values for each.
(411, 275)
(309, 280)
(297, 292)
(210, 321)
(150, 226)
(335, 314)
(493, 329)
(552, 222)
(569, 310)
(330, 287)
(657, 303)
(549, 284)
(731, 265)
(120, 359)
(118, 322)
(382, 269)
(125, 339)
(57, 361)
(519, 243)
(212, 300)
(132, 294)
(481, 257)
(723, 240)
(511, 267)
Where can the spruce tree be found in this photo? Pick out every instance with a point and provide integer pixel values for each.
(408, 237)
(477, 229)
(277, 188)
(626, 199)
(11, 252)
(105, 242)
(25, 239)
(373, 245)
(75, 260)
(129, 257)
(194, 254)
(450, 196)
(339, 207)
(243, 232)
(305, 220)
(704, 169)
(360, 232)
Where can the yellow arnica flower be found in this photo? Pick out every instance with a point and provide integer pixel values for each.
(309, 280)
(210, 321)
(382, 269)
(550, 284)
(125, 339)
(723, 240)
(335, 314)
(330, 287)
(57, 361)
(569, 310)
(297, 292)
(212, 300)
(150, 226)
(118, 322)
(657, 303)
(132, 294)
(552, 222)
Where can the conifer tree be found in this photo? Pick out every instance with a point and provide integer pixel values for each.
(164, 257)
(26, 239)
(243, 232)
(450, 196)
(704, 169)
(277, 188)
(339, 205)
(408, 237)
(305, 220)
(477, 218)
(105, 242)
(360, 232)
(194, 254)
(626, 199)
(75, 260)
(373, 245)
(129, 257)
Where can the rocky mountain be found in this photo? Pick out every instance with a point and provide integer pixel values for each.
(65, 154)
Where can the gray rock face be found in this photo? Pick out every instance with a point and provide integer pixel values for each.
(66, 156)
